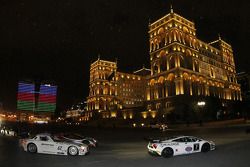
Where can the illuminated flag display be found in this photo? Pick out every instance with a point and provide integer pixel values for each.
(26, 96)
(47, 98)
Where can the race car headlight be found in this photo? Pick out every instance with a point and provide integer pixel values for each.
(82, 147)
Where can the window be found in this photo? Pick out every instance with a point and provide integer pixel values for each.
(193, 139)
(168, 104)
(158, 105)
(179, 140)
(187, 139)
(43, 138)
(183, 139)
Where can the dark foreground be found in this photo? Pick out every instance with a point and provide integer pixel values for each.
(127, 148)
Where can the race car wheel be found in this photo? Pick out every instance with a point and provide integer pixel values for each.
(167, 152)
(72, 150)
(205, 147)
(32, 148)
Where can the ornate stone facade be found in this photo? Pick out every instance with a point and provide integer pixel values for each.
(111, 90)
(182, 66)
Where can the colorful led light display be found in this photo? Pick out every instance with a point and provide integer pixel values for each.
(47, 98)
(26, 96)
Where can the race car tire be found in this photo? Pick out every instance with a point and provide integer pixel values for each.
(32, 148)
(205, 147)
(72, 150)
(167, 152)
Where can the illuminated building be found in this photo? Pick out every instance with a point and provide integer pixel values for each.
(47, 98)
(111, 90)
(102, 92)
(183, 70)
(36, 102)
(26, 96)
(182, 64)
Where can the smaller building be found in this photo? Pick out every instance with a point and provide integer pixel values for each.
(78, 113)
(114, 93)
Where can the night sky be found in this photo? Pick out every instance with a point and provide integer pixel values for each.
(56, 40)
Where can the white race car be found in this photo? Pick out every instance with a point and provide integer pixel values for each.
(8, 132)
(172, 146)
(48, 144)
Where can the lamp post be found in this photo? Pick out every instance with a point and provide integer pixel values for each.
(201, 104)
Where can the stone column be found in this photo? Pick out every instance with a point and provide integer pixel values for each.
(152, 70)
(167, 64)
(148, 93)
(162, 90)
(175, 62)
(178, 86)
(207, 93)
(190, 87)
(156, 92)
(166, 90)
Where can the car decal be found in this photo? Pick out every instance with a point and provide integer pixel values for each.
(196, 147)
(188, 149)
(59, 148)
(45, 144)
(170, 144)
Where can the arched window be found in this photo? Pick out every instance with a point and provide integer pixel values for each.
(155, 69)
(172, 62)
(101, 104)
(186, 84)
(196, 66)
(166, 39)
(182, 62)
(163, 61)
(171, 85)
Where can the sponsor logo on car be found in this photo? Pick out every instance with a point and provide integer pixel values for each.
(188, 149)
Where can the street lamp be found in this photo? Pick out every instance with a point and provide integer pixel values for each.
(201, 104)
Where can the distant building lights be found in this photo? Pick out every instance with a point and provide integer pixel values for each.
(201, 103)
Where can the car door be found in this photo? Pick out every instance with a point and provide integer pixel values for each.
(188, 145)
(46, 144)
(196, 145)
(179, 145)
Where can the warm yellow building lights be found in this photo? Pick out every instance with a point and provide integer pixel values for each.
(180, 64)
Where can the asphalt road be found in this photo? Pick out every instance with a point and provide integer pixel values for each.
(126, 148)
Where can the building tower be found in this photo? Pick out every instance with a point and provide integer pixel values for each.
(102, 89)
(111, 91)
(183, 65)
